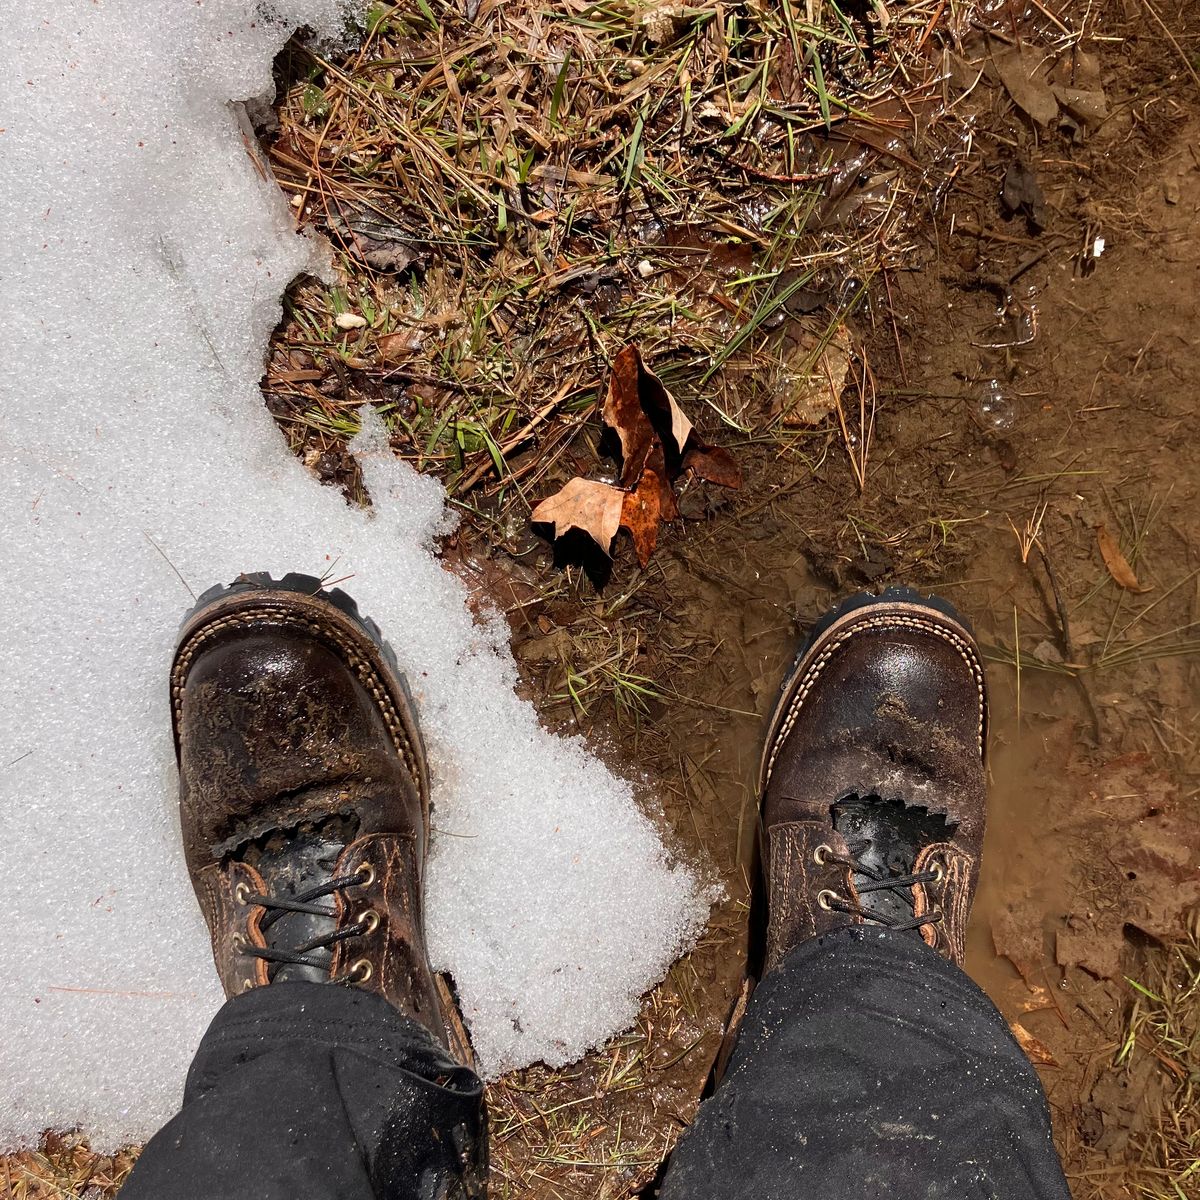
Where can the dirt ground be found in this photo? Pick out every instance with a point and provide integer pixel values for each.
(1018, 432)
(979, 440)
(1035, 399)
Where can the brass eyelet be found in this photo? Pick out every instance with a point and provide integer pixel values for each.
(238, 941)
(821, 854)
(361, 971)
(241, 893)
(367, 872)
(369, 919)
(824, 897)
(939, 873)
(247, 985)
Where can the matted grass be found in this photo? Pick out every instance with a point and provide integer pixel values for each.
(516, 190)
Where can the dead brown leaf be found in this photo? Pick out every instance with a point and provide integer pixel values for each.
(1116, 562)
(641, 410)
(658, 443)
(1024, 72)
(641, 513)
(396, 347)
(583, 504)
(813, 394)
(668, 508)
(712, 463)
(623, 412)
(1035, 1049)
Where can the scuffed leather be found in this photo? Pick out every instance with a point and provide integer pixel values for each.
(952, 897)
(228, 919)
(396, 947)
(286, 712)
(890, 701)
(796, 880)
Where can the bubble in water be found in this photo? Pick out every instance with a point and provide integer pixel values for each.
(995, 406)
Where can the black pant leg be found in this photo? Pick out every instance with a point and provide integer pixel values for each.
(868, 1066)
(306, 1091)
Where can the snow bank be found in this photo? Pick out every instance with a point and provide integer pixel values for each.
(142, 262)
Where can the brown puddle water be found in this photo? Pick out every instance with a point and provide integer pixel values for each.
(1058, 408)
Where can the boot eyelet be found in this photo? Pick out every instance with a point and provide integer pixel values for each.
(241, 894)
(238, 941)
(369, 920)
(821, 854)
(247, 985)
(366, 872)
(939, 873)
(825, 898)
(361, 971)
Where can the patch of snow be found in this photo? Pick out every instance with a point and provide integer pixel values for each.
(142, 263)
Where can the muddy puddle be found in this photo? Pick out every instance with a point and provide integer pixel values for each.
(1036, 407)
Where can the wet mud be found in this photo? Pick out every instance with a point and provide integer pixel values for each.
(1036, 403)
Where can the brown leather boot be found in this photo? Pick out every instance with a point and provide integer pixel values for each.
(872, 777)
(303, 793)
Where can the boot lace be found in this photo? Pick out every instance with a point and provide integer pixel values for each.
(877, 881)
(304, 902)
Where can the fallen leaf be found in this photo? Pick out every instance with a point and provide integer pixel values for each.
(623, 412)
(1089, 108)
(668, 508)
(661, 404)
(583, 504)
(381, 244)
(1017, 938)
(641, 410)
(640, 514)
(714, 464)
(808, 397)
(1023, 73)
(1116, 562)
(1035, 1049)
(658, 443)
(395, 347)
(1021, 193)
(662, 22)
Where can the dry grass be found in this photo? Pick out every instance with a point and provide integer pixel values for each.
(1159, 1061)
(63, 1166)
(515, 191)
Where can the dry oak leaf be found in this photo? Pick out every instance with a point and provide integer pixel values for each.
(634, 394)
(641, 513)
(658, 443)
(1023, 72)
(815, 394)
(1116, 562)
(583, 504)
(1035, 1049)
(714, 464)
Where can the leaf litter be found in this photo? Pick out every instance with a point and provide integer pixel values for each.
(659, 445)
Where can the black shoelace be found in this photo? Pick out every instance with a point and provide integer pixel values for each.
(878, 881)
(303, 902)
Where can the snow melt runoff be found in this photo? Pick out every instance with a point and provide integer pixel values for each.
(141, 269)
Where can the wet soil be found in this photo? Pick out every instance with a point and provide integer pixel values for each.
(1027, 380)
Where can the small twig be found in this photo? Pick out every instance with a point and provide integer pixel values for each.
(1183, 58)
(1064, 622)
(807, 177)
(169, 563)
(1068, 647)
